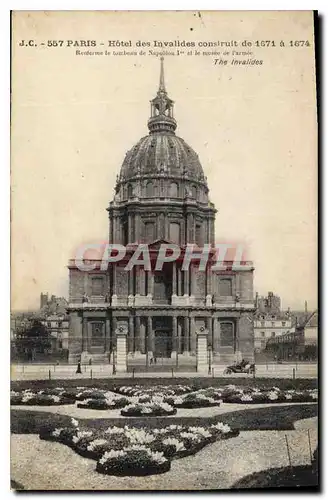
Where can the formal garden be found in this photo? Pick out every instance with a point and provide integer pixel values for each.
(143, 429)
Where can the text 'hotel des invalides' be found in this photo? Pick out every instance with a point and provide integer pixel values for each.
(161, 196)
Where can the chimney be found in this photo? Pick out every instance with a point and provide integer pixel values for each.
(305, 307)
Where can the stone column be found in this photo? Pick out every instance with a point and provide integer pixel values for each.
(201, 352)
(180, 331)
(75, 345)
(186, 283)
(130, 289)
(186, 334)
(131, 335)
(130, 228)
(210, 331)
(174, 279)
(114, 296)
(137, 335)
(208, 286)
(142, 278)
(174, 336)
(117, 230)
(192, 284)
(166, 227)
(113, 228)
(151, 335)
(121, 356)
(113, 337)
(150, 284)
(212, 231)
(85, 339)
(192, 335)
(137, 227)
(107, 335)
(142, 336)
(216, 336)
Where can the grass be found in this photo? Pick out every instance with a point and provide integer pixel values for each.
(283, 477)
(280, 417)
(200, 383)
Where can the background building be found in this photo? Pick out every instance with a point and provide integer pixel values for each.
(269, 321)
(161, 195)
(300, 343)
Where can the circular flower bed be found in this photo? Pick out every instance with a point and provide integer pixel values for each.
(148, 409)
(134, 461)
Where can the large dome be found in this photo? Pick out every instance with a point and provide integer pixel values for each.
(161, 191)
(162, 153)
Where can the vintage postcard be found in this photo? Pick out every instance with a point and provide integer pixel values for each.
(164, 317)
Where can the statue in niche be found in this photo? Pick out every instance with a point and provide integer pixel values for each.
(188, 193)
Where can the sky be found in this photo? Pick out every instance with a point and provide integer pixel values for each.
(253, 127)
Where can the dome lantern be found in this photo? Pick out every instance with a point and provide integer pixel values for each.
(161, 119)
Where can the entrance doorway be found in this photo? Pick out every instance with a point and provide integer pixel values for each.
(163, 337)
(163, 343)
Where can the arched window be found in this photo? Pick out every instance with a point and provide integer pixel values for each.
(130, 191)
(174, 190)
(149, 189)
(194, 192)
(175, 232)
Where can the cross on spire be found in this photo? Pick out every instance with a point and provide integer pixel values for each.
(161, 77)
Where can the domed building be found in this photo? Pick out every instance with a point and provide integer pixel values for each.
(161, 197)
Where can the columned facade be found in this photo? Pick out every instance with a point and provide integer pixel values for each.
(161, 196)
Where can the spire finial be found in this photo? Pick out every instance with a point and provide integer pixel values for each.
(161, 78)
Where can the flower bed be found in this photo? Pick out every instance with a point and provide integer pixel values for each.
(137, 451)
(134, 461)
(274, 395)
(104, 403)
(151, 409)
(158, 390)
(39, 399)
(192, 400)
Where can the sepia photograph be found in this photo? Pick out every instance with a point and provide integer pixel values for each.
(164, 276)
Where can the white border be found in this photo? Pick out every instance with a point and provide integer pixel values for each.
(5, 8)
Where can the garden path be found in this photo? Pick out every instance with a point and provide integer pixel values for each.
(74, 411)
(42, 465)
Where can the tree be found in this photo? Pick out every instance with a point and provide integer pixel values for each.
(35, 337)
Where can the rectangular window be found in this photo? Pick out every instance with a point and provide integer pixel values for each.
(225, 287)
(263, 324)
(262, 334)
(226, 334)
(97, 286)
(273, 334)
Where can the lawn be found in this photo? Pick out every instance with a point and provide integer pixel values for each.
(280, 417)
(302, 476)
